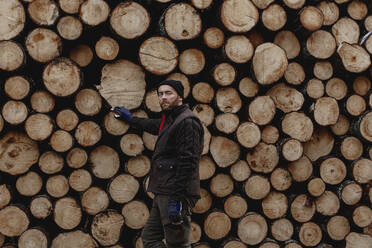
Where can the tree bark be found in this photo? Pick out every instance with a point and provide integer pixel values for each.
(74, 239)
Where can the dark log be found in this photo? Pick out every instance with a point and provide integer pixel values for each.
(81, 55)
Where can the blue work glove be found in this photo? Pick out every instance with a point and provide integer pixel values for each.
(174, 211)
(122, 112)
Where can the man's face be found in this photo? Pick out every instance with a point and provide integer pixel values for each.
(168, 97)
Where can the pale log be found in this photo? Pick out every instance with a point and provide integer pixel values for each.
(270, 134)
(13, 18)
(106, 227)
(355, 105)
(262, 110)
(235, 206)
(81, 55)
(205, 113)
(74, 239)
(311, 18)
(326, 111)
(282, 229)
(332, 171)
(248, 134)
(294, 74)
(321, 44)
(257, 187)
(221, 185)
(361, 85)
(227, 122)
(336, 88)
(310, 234)
(350, 192)
(327, 204)
(351, 148)
(201, 4)
(94, 12)
(269, 244)
(207, 167)
(239, 49)
(252, 229)
(286, 98)
(233, 244)
(69, 27)
(135, 214)
(204, 203)
(138, 166)
(292, 244)
(33, 238)
(94, 200)
(5, 196)
(302, 208)
(321, 144)
(274, 17)
(43, 45)
(362, 170)
(224, 151)
(149, 140)
(42, 101)
(323, 70)
(19, 153)
(362, 216)
(288, 41)
(43, 12)
(365, 126)
(274, 205)
(88, 133)
(14, 112)
(224, 74)
(57, 186)
(107, 48)
(29, 184)
(129, 20)
(357, 10)
(294, 4)
(17, 87)
(358, 240)
(264, 158)
(342, 125)
(301, 169)
(70, 6)
(213, 37)
(281, 179)
(368, 23)
(203, 92)
(13, 221)
(39, 126)
(247, 87)
(338, 227)
(12, 56)
(104, 162)
(291, 149)
(217, 225)
(262, 4)
(88, 102)
(123, 188)
(316, 187)
(114, 126)
(76, 158)
(191, 61)
(354, 57)
(346, 30)
(67, 119)
(41, 207)
(80, 180)
(61, 141)
(67, 213)
(132, 144)
(330, 12)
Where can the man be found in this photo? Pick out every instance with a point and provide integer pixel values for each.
(174, 174)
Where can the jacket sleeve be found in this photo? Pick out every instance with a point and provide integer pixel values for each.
(189, 143)
(149, 125)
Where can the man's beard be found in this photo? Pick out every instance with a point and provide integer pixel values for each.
(167, 106)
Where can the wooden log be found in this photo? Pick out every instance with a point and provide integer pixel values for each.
(70, 6)
(235, 206)
(336, 88)
(257, 187)
(233, 243)
(269, 63)
(130, 20)
(252, 229)
(362, 216)
(288, 41)
(123, 188)
(207, 167)
(106, 227)
(33, 238)
(191, 61)
(264, 158)
(321, 44)
(357, 10)
(88, 133)
(5, 196)
(12, 56)
(292, 244)
(41, 207)
(330, 12)
(327, 204)
(286, 98)
(19, 153)
(80, 180)
(364, 124)
(114, 126)
(302, 208)
(213, 37)
(57, 186)
(350, 192)
(61, 141)
(107, 48)
(323, 70)
(207, 142)
(321, 144)
(1, 123)
(326, 111)
(338, 227)
(355, 105)
(29, 184)
(42, 101)
(205, 113)
(74, 239)
(332, 171)
(202, 4)
(294, 74)
(13, 221)
(274, 17)
(81, 55)
(316, 187)
(94, 12)
(362, 170)
(69, 27)
(291, 149)
(39, 126)
(248, 134)
(14, 112)
(351, 148)
(310, 234)
(239, 15)
(270, 134)
(138, 166)
(17, 87)
(281, 179)
(361, 85)
(294, 4)
(88, 102)
(203, 92)
(182, 22)
(354, 57)
(275, 205)
(204, 203)
(342, 126)
(132, 144)
(247, 87)
(217, 225)
(67, 119)
(104, 162)
(67, 213)
(262, 110)
(354, 240)
(135, 214)
(239, 49)
(94, 201)
(13, 18)
(224, 74)
(346, 30)
(262, 4)
(43, 12)
(224, 151)
(221, 185)
(269, 244)
(282, 229)
(76, 158)
(311, 18)
(152, 101)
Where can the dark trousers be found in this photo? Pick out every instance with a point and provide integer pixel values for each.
(159, 227)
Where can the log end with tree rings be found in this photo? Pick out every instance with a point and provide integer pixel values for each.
(130, 20)
(311, 18)
(315, 88)
(70, 27)
(191, 61)
(42, 101)
(158, 55)
(67, 213)
(262, 110)
(224, 74)
(333, 171)
(239, 49)
(338, 227)
(74, 238)
(217, 225)
(80, 180)
(184, 81)
(264, 158)
(135, 214)
(204, 203)
(294, 4)
(149, 140)
(94, 12)
(240, 171)
(114, 126)
(351, 148)
(182, 22)
(205, 113)
(323, 70)
(33, 236)
(29, 184)
(330, 12)
(61, 141)
(132, 144)
(281, 179)
(70, 6)
(274, 205)
(13, 221)
(17, 87)
(316, 187)
(262, 4)
(81, 55)
(123, 83)
(138, 166)
(327, 204)
(123, 188)
(214, 37)
(207, 167)
(326, 111)
(282, 229)
(286, 98)
(201, 4)
(357, 10)
(355, 105)
(67, 119)
(274, 17)
(94, 200)
(270, 134)
(247, 87)
(302, 208)
(88, 133)
(342, 126)
(365, 126)
(301, 169)
(235, 206)
(336, 88)
(221, 185)
(228, 100)
(288, 41)
(104, 162)
(252, 229)
(350, 192)
(5, 196)
(57, 186)
(361, 85)
(43, 45)
(362, 170)
(19, 153)
(362, 216)
(43, 12)
(310, 234)
(41, 207)
(354, 239)
(12, 56)
(13, 18)
(239, 15)
(269, 63)
(354, 57)
(203, 92)
(107, 48)
(294, 74)
(106, 227)
(346, 30)
(321, 44)
(224, 151)
(39, 126)
(76, 158)
(257, 187)
(14, 112)
(88, 102)
(248, 134)
(321, 144)
(292, 149)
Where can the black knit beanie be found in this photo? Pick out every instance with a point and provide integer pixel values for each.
(176, 85)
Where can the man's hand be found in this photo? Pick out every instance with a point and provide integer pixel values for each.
(174, 211)
(122, 112)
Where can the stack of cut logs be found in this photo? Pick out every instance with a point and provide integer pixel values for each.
(283, 89)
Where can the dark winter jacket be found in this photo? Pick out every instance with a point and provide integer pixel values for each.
(175, 161)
